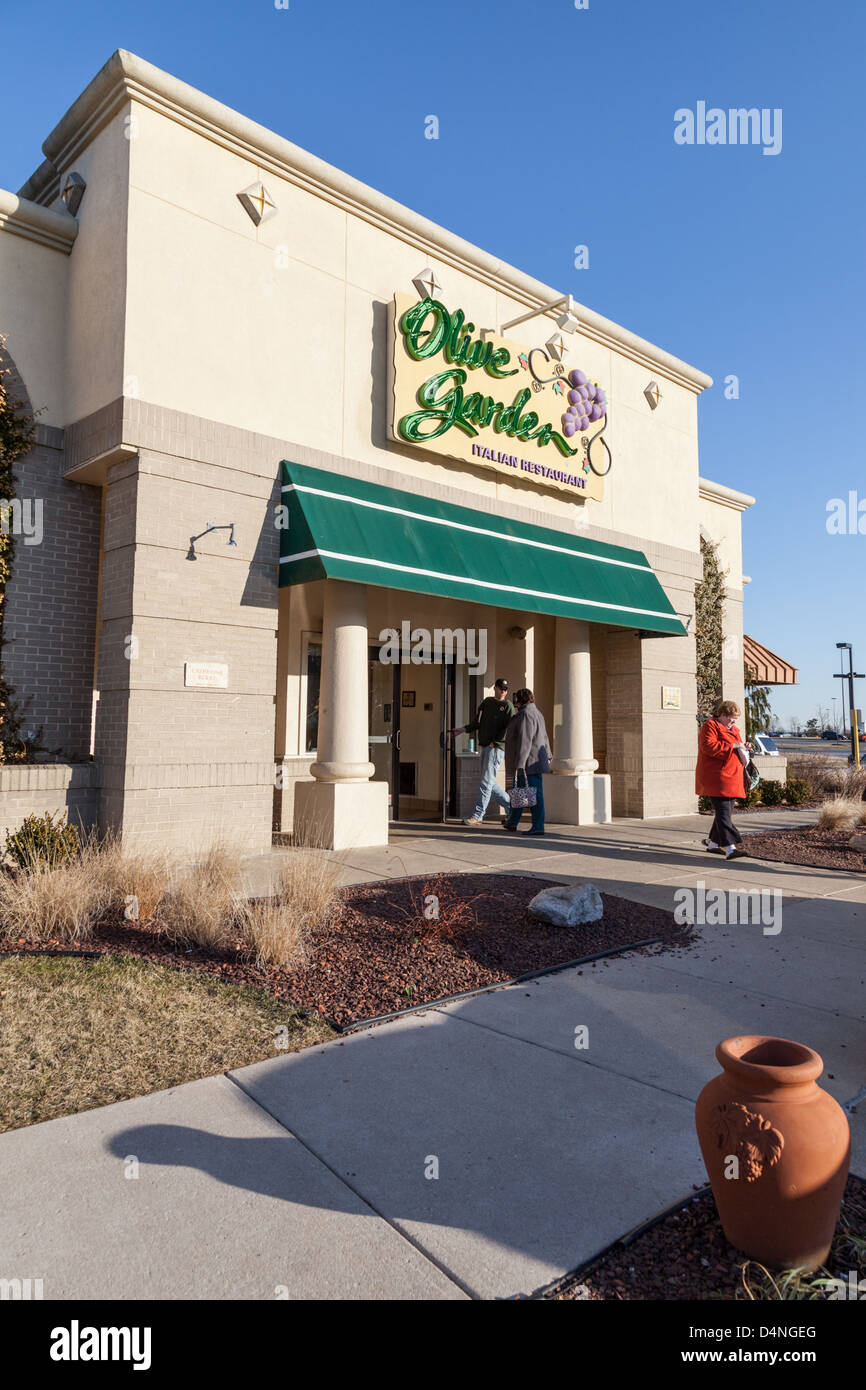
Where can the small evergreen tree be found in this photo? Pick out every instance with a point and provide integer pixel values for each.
(709, 595)
(757, 701)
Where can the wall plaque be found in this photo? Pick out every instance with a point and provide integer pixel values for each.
(208, 674)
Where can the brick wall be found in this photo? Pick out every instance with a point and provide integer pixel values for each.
(36, 788)
(51, 601)
(187, 765)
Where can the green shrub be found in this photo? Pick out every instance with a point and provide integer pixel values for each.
(772, 793)
(796, 791)
(42, 840)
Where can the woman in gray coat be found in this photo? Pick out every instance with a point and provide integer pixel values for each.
(527, 750)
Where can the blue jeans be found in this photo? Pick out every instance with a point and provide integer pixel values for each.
(537, 811)
(491, 761)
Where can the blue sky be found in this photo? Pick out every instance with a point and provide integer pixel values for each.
(556, 129)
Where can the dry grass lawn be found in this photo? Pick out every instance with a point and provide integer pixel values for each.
(75, 1034)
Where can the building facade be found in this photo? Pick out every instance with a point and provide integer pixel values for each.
(285, 422)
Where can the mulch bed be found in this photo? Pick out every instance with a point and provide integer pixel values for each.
(806, 844)
(687, 1256)
(379, 954)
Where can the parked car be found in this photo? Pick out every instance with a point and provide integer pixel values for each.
(763, 744)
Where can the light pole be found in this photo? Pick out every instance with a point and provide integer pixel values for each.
(850, 676)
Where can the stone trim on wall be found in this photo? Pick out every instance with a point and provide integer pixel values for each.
(22, 217)
(31, 789)
(131, 425)
(153, 776)
(20, 778)
(126, 77)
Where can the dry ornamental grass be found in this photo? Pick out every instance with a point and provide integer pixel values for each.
(842, 814)
(278, 931)
(827, 776)
(60, 903)
(200, 905)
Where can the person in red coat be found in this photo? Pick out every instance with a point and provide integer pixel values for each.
(720, 775)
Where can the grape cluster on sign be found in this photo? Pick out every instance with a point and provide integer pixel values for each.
(586, 403)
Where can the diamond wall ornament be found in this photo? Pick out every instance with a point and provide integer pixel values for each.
(556, 347)
(72, 193)
(653, 394)
(426, 283)
(257, 201)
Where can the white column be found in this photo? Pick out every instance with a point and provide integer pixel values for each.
(573, 698)
(341, 808)
(343, 747)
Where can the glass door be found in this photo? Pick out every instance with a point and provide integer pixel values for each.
(384, 726)
(462, 693)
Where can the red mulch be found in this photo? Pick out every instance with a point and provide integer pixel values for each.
(687, 1256)
(806, 844)
(379, 954)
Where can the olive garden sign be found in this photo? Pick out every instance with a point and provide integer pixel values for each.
(484, 400)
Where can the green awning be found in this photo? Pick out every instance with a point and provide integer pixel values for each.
(344, 528)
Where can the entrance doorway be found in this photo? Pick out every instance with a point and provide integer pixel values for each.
(411, 709)
(406, 714)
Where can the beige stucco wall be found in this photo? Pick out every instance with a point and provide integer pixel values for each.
(282, 330)
(33, 287)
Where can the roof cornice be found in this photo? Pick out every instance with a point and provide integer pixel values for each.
(724, 496)
(126, 77)
(35, 223)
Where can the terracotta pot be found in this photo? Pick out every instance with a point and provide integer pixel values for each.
(792, 1146)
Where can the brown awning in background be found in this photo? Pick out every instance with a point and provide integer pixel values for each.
(769, 669)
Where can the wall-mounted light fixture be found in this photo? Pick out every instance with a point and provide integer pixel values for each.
(653, 394)
(72, 193)
(426, 283)
(567, 321)
(229, 526)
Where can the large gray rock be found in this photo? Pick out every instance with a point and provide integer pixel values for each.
(568, 905)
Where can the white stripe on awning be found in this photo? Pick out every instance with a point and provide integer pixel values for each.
(475, 583)
(464, 526)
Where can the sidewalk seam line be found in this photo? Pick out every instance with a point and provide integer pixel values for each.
(431, 1259)
(544, 1047)
(777, 998)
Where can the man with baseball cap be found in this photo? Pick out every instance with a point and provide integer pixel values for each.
(491, 720)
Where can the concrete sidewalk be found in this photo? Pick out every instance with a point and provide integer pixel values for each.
(469, 1150)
